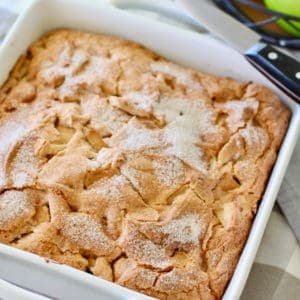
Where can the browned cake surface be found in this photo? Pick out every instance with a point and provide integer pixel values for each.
(116, 161)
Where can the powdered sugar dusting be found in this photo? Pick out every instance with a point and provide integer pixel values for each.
(153, 254)
(142, 100)
(184, 230)
(22, 179)
(149, 253)
(137, 103)
(25, 166)
(13, 206)
(138, 137)
(181, 74)
(169, 172)
(254, 135)
(237, 111)
(111, 187)
(133, 175)
(186, 121)
(238, 106)
(10, 133)
(179, 279)
(84, 230)
(144, 250)
(147, 278)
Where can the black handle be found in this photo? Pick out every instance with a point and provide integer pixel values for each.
(280, 68)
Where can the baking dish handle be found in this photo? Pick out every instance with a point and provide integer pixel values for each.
(164, 8)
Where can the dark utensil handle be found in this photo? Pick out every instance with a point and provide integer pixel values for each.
(280, 68)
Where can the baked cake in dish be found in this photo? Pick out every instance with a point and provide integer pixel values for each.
(120, 163)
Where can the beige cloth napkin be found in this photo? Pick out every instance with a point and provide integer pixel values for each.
(275, 274)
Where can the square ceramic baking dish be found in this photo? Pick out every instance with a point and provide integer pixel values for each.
(180, 45)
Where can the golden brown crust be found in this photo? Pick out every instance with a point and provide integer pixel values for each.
(118, 162)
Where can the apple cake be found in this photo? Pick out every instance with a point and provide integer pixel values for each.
(118, 162)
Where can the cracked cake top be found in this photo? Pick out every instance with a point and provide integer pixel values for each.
(116, 161)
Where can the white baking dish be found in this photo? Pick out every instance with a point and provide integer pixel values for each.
(10, 291)
(180, 45)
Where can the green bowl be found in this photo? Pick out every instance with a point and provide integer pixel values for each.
(291, 7)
